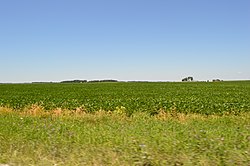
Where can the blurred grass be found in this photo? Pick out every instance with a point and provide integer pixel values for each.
(29, 137)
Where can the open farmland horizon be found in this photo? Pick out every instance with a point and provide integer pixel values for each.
(117, 80)
(132, 82)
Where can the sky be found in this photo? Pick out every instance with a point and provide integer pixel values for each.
(145, 40)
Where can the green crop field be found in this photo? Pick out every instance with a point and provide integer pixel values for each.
(201, 97)
(135, 123)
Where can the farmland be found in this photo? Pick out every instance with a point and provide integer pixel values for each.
(204, 98)
(136, 123)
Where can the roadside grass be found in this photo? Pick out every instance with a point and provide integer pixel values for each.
(35, 136)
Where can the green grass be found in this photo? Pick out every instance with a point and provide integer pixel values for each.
(115, 139)
(125, 124)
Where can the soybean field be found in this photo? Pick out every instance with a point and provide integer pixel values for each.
(189, 97)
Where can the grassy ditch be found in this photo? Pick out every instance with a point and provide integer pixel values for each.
(34, 136)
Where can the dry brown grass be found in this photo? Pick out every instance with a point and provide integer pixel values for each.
(39, 111)
(6, 110)
(184, 118)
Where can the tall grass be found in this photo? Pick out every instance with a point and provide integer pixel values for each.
(34, 136)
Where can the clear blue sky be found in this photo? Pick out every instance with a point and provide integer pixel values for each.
(54, 40)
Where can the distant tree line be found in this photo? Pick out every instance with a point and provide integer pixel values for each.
(103, 81)
(85, 81)
(75, 81)
(42, 82)
(188, 79)
(217, 80)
